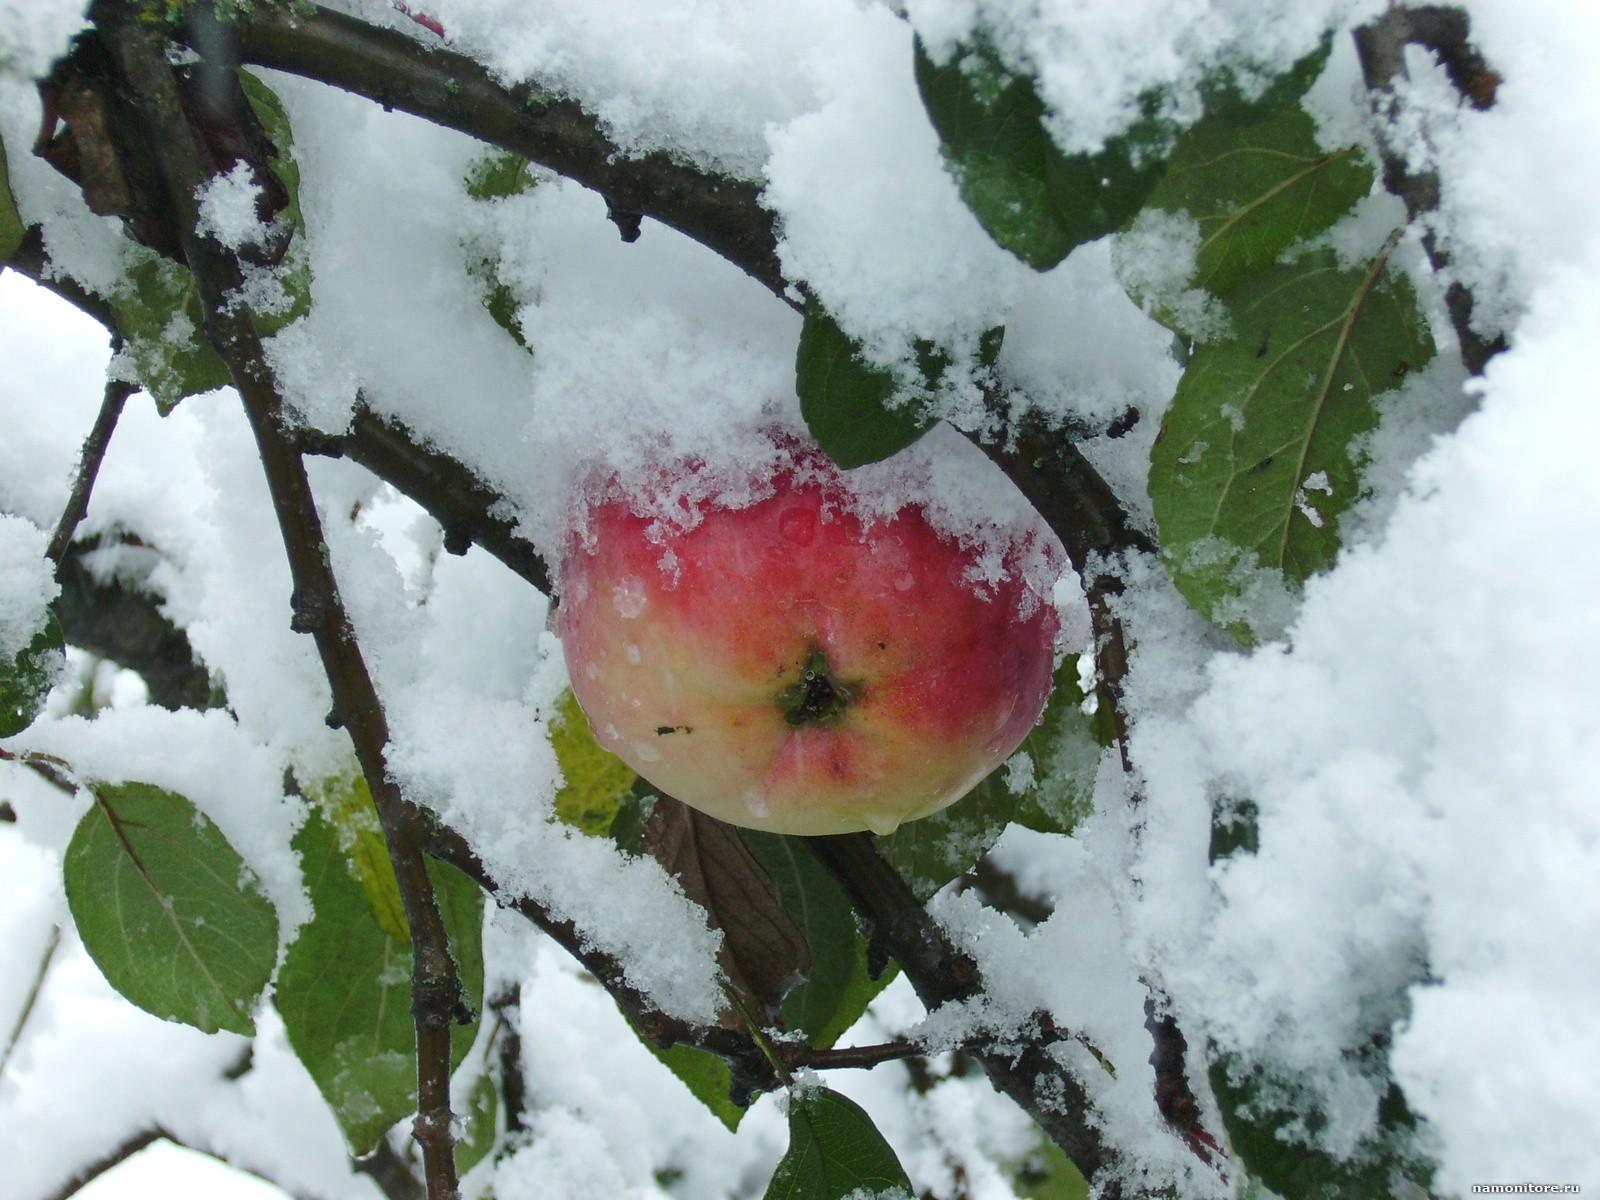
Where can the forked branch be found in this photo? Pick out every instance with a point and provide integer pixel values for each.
(184, 170)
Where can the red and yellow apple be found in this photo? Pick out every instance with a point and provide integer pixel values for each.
(785, 667)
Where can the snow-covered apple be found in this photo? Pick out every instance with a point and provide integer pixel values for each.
(792, 667)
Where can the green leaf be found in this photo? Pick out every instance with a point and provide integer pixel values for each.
(168, 910)
(1064, 750)
(26, 680)
(480, 1124)
(705, 1075)
(1268, 1134)
(1034, 200)
(346, 802)
(835, 1152)
(1255, 191)
(839, 986)
(500, 174)
(1048, 1174)
(1227, 97)
(294, 272)
(158, 313)
(1259, 453)
(595, 782)
(933, 850)
(345, 987)
(11, 227)
(858, 413)
(157, 306)
(497, 176)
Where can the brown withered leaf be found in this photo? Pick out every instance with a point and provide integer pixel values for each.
(91, 133)
(764, 953)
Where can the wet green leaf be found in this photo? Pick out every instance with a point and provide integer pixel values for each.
(1064, 756)
(1033, 199)
(705, 1075)
(1267, 1132)
(294, 272)
(345, 987)
(168, 910)
(1064, 752)
(1048, 1174)
(346, 803)
(11, 227)
(933, 850)
(595, 782)
(835, 1153)
(26, 680)
(1259, 453)
(1255, 191)
(158, 313)
(497, 176)
(858, 413)
(480, 1124)
(838, 987)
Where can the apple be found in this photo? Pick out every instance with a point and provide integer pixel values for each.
(786, 667)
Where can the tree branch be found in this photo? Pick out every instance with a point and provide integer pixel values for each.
(447, 489)
(942, 974)
(94, 452)
(318, 609)
(1381, 46)
(31, 999)
(121, 623)
(112, 1158)
(457, 92)
(452, 494)
(750, 1069)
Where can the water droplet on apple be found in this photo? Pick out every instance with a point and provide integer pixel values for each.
(799, 525)
(904, 582)
(646, 752)
(591, 672)
(881, 824)
(610, 733)
(633, 654)
(629, 598)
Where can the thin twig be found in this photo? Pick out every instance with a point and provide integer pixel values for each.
(143, 1140)
(849, 1057)
(94, 452)
(31, 999)
(112, 1158)
(318, 608)
(116, 620)
(46, 766)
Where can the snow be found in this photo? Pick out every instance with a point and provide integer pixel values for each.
(27, 584)
(227, 209)
(33, 33)
(1416, 731)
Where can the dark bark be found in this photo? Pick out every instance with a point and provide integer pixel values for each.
(124, 624)
(184, 167)
(721, 213)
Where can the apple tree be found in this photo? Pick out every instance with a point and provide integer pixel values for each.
(1138, 332)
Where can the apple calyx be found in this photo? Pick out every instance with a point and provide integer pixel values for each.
(819, 697)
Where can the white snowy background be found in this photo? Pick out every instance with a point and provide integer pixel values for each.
(1423, 747)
